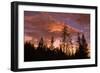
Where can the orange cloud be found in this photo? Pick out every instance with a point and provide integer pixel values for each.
(58, 27)
(55, 27)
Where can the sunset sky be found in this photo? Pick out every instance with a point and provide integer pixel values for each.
(48, 24)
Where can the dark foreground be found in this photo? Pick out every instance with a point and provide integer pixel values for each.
(44, 54)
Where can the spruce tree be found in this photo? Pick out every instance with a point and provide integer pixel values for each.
(84, 46)
(52, 42)
(82, 51)
(41, 43)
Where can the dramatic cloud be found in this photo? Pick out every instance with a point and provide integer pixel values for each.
(48, 24)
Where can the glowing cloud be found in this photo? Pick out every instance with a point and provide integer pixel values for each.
(27, 38)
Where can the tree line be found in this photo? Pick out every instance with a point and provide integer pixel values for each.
(42, 52)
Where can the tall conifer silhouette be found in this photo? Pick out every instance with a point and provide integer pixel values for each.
(52, 42)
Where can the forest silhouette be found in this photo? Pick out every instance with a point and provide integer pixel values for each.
(42, 52)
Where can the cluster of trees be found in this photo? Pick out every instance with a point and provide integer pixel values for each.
(42, 52)
(83, 49)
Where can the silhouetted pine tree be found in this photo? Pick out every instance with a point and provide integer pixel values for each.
(52, 42)
(85, 46)
(79, 51)
(65, 35)
(82, 52)
(41, 44)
